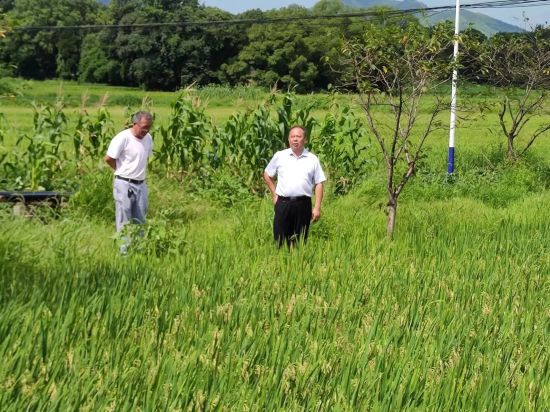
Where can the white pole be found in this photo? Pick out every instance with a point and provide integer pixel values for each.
(451, 163)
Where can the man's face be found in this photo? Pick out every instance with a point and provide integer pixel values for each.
(141, 128)
(296, 140)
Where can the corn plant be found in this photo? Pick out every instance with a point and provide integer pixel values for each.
(248, 140)
(289, 116)
(185, 139)
(40, 157)
(92, 135)
(246, 143)
(342, 142)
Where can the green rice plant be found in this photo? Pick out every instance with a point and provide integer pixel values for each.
(449, 316)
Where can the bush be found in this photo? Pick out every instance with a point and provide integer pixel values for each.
(94, 198)
(489, 177)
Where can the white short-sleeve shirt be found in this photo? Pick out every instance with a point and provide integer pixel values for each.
(131, 154)
(296, 175)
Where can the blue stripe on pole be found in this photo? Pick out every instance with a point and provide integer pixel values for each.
(451, 164)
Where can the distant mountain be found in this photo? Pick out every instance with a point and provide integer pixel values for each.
(481, 22)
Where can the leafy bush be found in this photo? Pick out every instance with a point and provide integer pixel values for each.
(221, 187)
(489, 177)
(94, 197)
(156, 237)
(10, 87)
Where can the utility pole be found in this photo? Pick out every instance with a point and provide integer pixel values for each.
(451, 162)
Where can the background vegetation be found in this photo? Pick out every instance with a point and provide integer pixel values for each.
(206, 314)
(302, 54)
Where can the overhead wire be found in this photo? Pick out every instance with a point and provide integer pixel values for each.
(496, 4)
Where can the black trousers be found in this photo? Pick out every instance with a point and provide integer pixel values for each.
(292, 218)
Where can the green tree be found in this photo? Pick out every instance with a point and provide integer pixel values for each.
(394, 64)
(278, 53)
(142, 52)
(46, 53)
(221, 43)
(472, 42)
(6, 5)
(520, 61)
(163, 57)
(96, 62)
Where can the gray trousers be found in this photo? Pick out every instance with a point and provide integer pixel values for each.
(131, 202)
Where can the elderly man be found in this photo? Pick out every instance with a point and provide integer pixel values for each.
(127, 155)
(299, 175)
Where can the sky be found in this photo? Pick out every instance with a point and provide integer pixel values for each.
(512, 15)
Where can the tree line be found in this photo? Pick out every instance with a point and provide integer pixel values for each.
(304, 55)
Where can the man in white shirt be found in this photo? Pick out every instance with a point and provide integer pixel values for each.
(299, 176)
(127, 155)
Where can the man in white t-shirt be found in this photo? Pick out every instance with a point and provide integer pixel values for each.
(127, 155)
(299, 176)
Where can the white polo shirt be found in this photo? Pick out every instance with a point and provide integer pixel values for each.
(131, 154)
(296, 175)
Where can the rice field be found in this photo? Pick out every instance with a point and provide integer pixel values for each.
(452, 314)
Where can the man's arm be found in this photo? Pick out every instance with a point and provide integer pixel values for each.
(316, 212)
(110, 161)
(271, 185)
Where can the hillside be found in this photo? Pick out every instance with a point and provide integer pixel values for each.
(481, 22)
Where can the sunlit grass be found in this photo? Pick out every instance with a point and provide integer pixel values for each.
(450, 315)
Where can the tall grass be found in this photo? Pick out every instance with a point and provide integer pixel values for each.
(452, 315)
(207, 314)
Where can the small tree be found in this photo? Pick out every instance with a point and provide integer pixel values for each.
(393, 66)
(519, 61)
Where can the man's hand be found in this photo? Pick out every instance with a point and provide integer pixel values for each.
(271, 185)
(315, 214)
(110, 161)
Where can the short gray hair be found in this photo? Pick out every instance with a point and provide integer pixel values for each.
(140, 115)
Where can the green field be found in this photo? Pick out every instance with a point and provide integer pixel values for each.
(476, 129)
(206, 314)
(222, 102)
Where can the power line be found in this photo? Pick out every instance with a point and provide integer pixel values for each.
(498, 4)
(364, 14)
